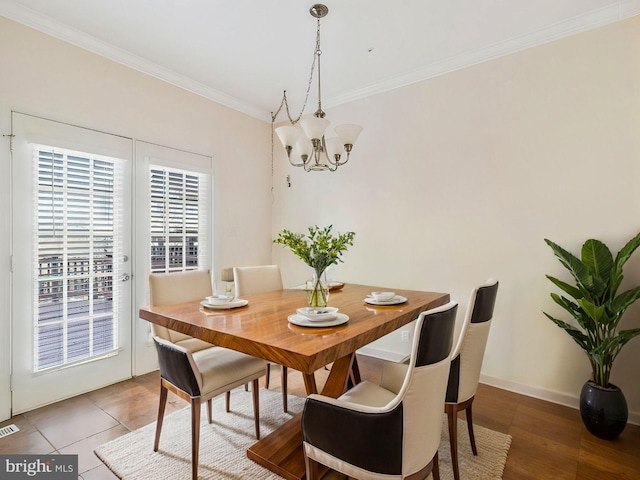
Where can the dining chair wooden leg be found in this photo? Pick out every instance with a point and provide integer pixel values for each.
(285, 406)
(452, 417)
(436, 468)
(161, 406)
(256, 406)
(209, 409)
(227, 401)
(268, 376)
(470, 427)
(195, 436)
(311, 467)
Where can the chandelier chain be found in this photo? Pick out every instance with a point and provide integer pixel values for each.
(285, 103)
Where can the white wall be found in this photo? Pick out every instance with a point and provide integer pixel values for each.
(461, 177)
(453, 180)
(46, 77)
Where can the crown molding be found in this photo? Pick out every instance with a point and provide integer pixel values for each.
(47, 25)
(582, 23)
(620, 11)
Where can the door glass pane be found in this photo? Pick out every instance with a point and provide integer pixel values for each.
(78, 209)
(178, 209)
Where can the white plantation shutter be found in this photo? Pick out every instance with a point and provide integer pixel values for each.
(78, 216)
(179, 212)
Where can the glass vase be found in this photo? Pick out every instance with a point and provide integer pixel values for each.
(318, 290)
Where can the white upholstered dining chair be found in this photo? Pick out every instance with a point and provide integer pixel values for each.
(466, 363)
(258, 279)
(392, 430)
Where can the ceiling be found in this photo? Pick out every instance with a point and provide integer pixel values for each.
(244, 53)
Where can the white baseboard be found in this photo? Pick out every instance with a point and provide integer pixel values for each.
(542, 394)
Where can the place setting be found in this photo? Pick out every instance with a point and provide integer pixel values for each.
(223, 301)
(384, 298)
(318, 317)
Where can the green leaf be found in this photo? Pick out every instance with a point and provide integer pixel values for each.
(570, 289)
(571, 307)
(626, 251)
(595, 312)
(575, 266)
(627, 335)
(624, 300)
(576, 312)
(599, 260)
(579, 337)
(621, 258)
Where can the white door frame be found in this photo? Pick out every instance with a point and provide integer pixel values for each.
(5, 264)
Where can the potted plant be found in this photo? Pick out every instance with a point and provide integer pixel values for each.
(319, 249)
(594, 303)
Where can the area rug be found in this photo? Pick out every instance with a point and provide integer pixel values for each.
(223, 445)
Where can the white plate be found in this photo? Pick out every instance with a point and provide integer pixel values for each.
(238, 302)
(324, 314)
(394, 301)
(303, 321)
(218, 300)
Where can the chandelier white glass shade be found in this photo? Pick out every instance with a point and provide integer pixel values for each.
(312, 148)
(306, 145)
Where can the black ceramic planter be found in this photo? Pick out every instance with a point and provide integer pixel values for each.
(604, 410)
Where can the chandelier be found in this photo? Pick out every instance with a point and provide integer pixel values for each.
(308, 144)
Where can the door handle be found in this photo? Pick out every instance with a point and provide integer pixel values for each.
(124, 277)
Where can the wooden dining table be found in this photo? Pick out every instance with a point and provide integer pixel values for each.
(261, 328)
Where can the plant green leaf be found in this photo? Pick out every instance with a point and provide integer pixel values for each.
(576, 267)
(594, 312)
(570, 289)
(579, 337)
(624, 300)
(599, 260)
(626, 251)
(621, 258)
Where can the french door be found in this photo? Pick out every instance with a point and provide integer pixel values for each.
(71, 243)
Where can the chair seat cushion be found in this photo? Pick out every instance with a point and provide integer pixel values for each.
(223, 369)
(369, 394)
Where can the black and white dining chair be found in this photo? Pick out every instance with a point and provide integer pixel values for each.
(180, 287)
(259, 279)
(392, 430)
(199, 377)
(195, 370)
(466, 363)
